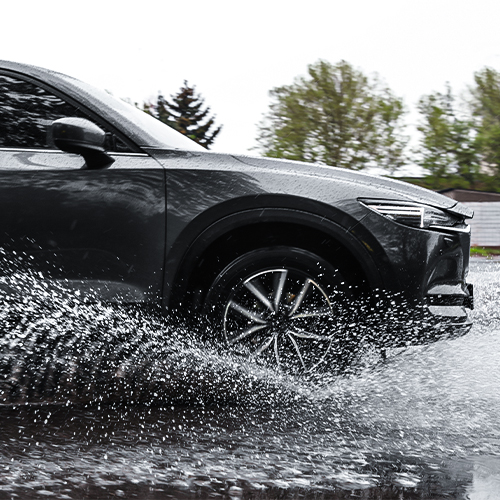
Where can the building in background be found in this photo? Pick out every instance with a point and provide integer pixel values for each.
(485, 226)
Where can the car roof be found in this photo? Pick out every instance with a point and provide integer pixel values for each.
(30, 70)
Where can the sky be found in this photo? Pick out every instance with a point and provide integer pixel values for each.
(235, 52)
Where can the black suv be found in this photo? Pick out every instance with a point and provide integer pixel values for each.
(99, 197)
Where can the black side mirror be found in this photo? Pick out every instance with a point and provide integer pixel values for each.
(81, 136)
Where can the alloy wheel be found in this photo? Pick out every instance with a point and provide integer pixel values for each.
(280, 317)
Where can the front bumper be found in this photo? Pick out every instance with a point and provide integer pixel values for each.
(450, 308)
(427, 270)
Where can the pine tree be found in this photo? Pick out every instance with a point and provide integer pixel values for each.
(186, 114)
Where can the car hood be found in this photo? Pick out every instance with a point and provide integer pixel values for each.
(397, 190)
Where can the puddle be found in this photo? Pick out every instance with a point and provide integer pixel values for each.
(100, 402)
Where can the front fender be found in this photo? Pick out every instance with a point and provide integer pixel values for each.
(220, 220)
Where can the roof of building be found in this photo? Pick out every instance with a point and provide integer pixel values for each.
(470, 195)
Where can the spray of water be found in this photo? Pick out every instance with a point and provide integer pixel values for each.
(201, 418)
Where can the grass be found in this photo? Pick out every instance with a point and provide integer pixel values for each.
(485, 251)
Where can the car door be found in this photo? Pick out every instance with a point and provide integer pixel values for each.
(98, 231)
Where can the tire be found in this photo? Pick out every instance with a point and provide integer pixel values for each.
(275, 305)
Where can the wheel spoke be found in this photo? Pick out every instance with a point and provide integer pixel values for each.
(297, 349)
(306, 335)
(246, 333)
(320, 313)
(300, 297)
(276, 352)
(279, 289)
(264, 345)
(245, 312)
(257, 290)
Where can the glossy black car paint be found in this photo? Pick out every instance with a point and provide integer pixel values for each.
(159, 223)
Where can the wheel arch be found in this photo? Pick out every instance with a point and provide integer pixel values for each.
(221, 234)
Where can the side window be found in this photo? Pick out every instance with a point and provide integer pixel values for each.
(26, 111)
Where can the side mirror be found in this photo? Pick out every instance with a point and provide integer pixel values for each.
(81, 136)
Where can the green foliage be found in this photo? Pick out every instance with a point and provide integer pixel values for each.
(186, 114)
(462, 149)
(335, 116)
(484, 251)
(448, 147)
(485, 105)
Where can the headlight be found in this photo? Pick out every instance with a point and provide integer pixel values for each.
(417, 215)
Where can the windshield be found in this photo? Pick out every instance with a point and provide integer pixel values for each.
(153, 132)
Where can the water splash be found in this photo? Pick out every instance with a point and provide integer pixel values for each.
(56, 348)
(426, 420)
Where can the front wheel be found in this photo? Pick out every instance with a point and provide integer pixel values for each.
(275, 305)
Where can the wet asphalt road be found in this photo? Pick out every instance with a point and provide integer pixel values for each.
(424, 424)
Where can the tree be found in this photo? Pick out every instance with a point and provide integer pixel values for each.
(448, 146)
(336, 116)
(485, 105)
(186, 114)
